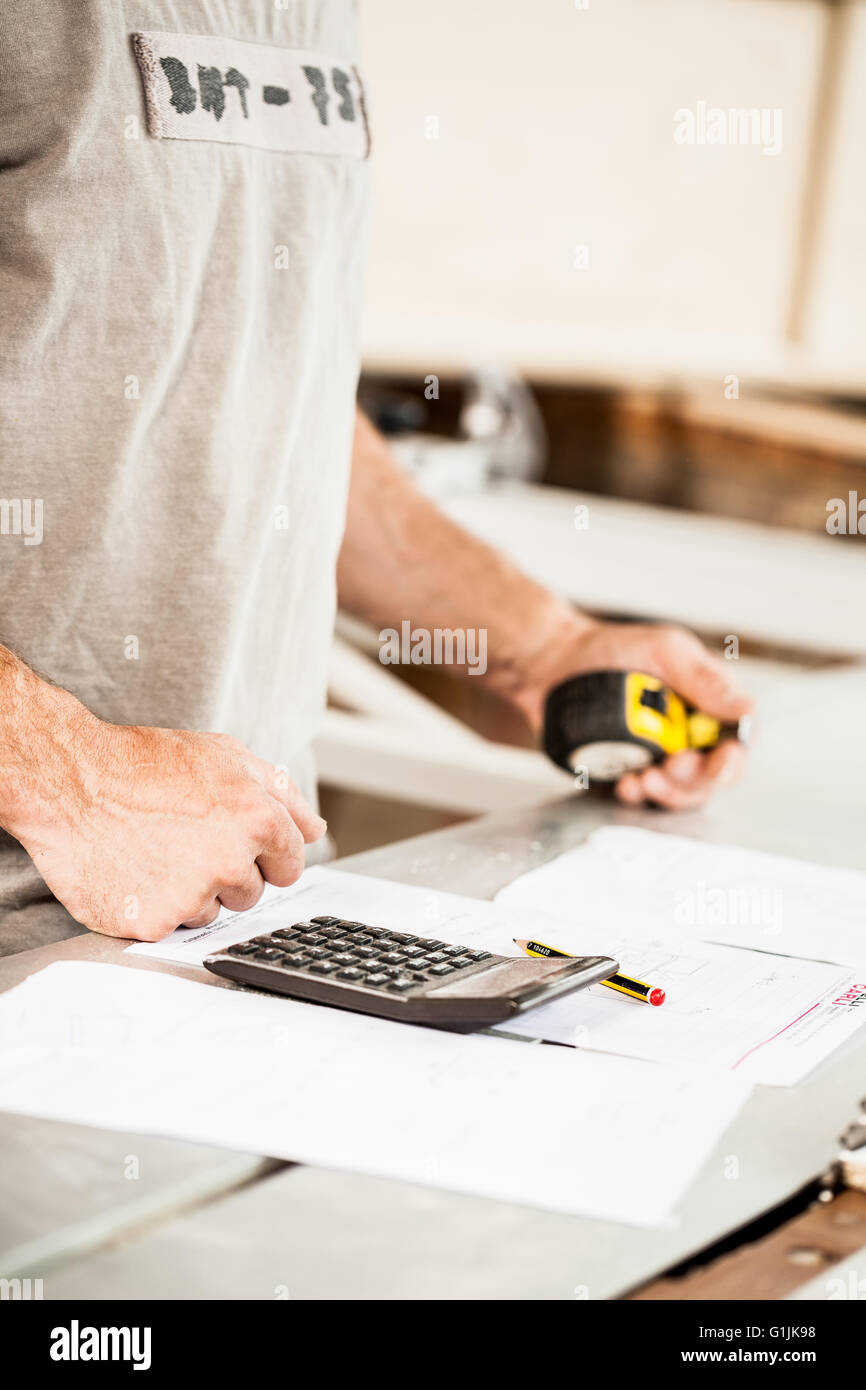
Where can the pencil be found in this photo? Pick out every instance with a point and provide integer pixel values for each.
(623, 984)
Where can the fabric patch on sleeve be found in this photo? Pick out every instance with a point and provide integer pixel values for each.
(199, 87)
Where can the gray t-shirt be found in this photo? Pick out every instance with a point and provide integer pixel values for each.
(180, 263)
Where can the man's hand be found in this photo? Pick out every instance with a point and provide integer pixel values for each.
(138, 830)
(683, 662)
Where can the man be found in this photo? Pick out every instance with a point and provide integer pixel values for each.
(180, 259)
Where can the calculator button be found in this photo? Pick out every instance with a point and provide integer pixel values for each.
(345, 957)
(398, 937)
(478, 955)
(328, 933)
(302, 926)
(412, 951)
(460, 963)
(392, 957)
(285, 934)
(353, 926)
(401, 985)
(268, 953)
(350, 973)
(296, 947)
(377, 980)
(431, 945)
(436, 958)
(364, 939)
(317, 953)
(322, 967)
(366, 953)
(301, 962)
(376, 931)
(452, 950)
(325, 921)
(442, 969)
(314, 938)
(245, 948)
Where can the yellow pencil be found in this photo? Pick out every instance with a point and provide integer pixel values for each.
(623, 984)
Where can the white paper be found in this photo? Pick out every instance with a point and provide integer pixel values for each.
(357, 897)
(636, 881)
(549, 1127)
(645, 899)
(770, 1018)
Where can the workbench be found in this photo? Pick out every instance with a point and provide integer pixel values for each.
(97, 1214)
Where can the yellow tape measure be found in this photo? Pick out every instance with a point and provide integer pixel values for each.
(613, 722)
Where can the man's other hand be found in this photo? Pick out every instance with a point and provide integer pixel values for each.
(680, 659)
(143, 830)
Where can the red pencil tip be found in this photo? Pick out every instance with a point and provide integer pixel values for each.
(657, 996)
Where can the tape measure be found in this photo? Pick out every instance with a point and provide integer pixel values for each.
(613, 722)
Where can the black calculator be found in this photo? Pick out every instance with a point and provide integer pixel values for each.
(414, 979)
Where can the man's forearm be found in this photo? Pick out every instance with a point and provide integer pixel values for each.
(38, 724)
(402, 559)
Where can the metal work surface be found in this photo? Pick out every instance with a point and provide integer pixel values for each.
(305, 1233)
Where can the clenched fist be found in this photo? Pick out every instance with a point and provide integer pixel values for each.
(140, 830)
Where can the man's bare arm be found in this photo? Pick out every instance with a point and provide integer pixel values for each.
(37, 722)
(402, 559)
(139, 830)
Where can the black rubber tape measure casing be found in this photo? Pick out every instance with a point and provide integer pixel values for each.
(607, 723)
(585, 725)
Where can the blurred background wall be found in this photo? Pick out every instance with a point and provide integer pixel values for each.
(533, 203)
